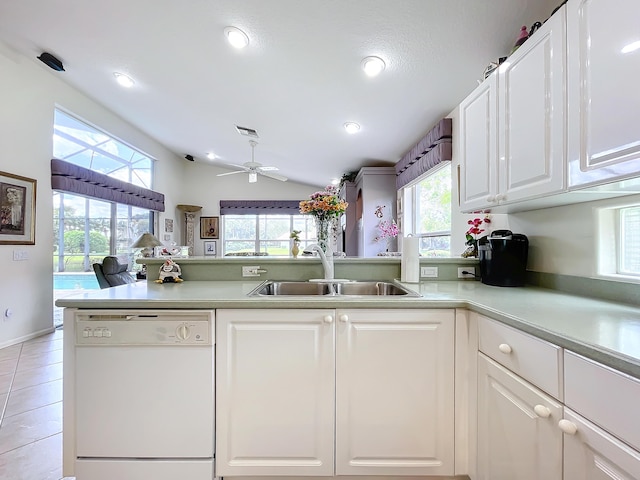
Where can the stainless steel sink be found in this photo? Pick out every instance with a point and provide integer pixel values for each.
(287, 288)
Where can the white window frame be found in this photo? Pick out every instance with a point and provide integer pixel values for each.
(408, 199)
(609, 243)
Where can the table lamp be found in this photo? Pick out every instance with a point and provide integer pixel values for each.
(146, 242)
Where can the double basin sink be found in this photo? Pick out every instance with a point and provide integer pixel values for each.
(272, 288)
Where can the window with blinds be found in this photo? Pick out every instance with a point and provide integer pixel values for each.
(629, 241)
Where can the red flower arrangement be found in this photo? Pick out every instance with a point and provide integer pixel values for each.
(475, 230)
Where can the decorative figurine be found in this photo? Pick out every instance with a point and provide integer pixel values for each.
(170, 272)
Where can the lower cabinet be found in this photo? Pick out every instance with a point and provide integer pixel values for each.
(518, 429)
(375, 386)
(526, 434)
(590, 453)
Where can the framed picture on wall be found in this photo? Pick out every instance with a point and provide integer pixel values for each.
(210, 247)
(17, 210)
(209, 227)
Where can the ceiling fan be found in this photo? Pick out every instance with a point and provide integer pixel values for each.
(254, 168)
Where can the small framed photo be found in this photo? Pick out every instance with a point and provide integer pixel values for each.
(209, 227)
(17, 210)
(211, 247)
(168, 225)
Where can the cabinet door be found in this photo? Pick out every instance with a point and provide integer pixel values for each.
(518, 436)
(532, 115)
(604, 99)
(275, 392)
(478, 147)
(592, 454)
(395, 392)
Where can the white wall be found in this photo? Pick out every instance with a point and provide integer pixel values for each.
(29, 92)
(202, 187)
(563, 240)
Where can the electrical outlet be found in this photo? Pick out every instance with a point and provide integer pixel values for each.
(252, 271)
(429, 272)
(19, 255)
(471, 272)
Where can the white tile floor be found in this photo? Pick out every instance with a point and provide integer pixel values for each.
(31, 409)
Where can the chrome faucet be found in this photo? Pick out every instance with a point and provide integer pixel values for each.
(327, 260)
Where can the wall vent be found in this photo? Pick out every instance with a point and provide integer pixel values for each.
(247, 132)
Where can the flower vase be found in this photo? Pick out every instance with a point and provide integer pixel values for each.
(322, 232)
(295, 250)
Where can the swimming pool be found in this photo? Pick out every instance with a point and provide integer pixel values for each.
(75, 281)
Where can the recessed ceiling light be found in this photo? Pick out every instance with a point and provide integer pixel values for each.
(211, 156)
(352, 127)
(124, 80)
(236, 37)
(335, 181)
(372, 66)
(632, 47)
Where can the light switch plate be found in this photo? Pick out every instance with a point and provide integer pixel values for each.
(429, 272)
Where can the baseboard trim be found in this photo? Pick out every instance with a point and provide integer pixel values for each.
(24, 338)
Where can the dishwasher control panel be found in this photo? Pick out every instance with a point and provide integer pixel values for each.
(143, 330)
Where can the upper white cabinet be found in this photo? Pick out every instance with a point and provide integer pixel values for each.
(531, 128)
(478, 146)
(603, 93)
(512, 127)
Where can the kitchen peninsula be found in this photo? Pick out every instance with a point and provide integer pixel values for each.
(434, 352)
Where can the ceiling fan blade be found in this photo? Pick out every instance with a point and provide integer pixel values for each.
(268, 168)
(230, 173)
(275, 176)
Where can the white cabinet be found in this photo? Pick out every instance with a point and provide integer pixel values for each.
(478, 146)
(384, 402)
(512, 127)
(395, 392)
(517, 427)
(275, 392)
(603, 95)
(592, 454)
(531, 126)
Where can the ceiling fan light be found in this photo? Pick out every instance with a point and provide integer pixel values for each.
(373, 66)
(236, 37)
(253, 177)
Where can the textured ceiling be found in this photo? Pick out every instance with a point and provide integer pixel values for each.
(297, 82)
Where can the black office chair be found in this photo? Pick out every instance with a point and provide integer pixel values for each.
(111, 273)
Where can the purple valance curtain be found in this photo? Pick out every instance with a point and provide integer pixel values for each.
(429, 152)
(67, 177)
(256, 207)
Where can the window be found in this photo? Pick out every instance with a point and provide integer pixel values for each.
(87, 229)
(629, 241)
(265, 233)
(428, 212)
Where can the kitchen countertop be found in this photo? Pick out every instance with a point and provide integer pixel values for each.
(607, 332)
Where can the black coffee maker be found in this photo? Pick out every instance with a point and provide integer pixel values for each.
(503, 258)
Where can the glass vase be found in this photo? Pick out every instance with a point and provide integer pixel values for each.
(323, 230)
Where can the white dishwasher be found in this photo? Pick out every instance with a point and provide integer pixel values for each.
(144, 395)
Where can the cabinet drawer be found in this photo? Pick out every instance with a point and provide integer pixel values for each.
(535, 360)
(605, 396)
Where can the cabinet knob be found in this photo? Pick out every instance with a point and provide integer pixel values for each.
(500, 197)
(328, 318)
(567, 427)
(344, 318)
(504, 348)
(542, 411)
(491, 199)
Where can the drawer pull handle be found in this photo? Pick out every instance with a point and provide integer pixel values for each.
(504, 348)
(542, 411)
(328, 319)
(344, 318)
(567, 427)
